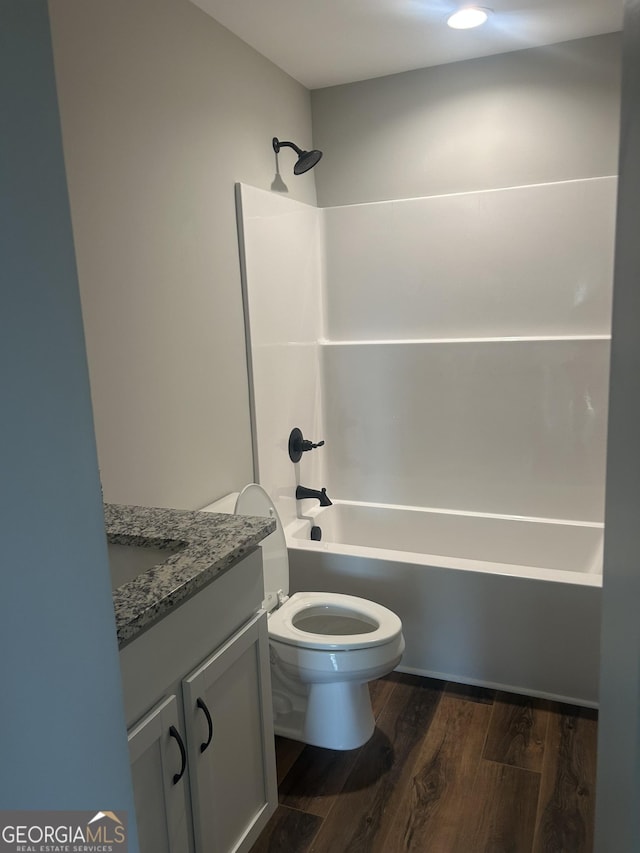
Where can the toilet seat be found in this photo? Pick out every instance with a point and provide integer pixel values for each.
(381, 625)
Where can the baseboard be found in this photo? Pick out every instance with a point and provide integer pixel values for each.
(493, 685)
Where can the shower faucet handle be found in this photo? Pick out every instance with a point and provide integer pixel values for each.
(299, 445)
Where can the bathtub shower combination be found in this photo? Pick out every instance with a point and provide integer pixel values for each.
(462, 397)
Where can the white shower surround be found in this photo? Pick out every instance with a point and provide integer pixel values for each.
(452, 351)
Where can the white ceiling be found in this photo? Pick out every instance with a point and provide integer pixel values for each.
(327, 42)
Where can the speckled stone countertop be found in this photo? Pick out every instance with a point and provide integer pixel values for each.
(208, 543)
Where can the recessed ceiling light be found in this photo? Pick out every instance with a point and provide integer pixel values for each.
(468, 17)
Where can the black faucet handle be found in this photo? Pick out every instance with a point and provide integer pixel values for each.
(299, 445)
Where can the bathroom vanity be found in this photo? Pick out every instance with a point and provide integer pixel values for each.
(194, 656)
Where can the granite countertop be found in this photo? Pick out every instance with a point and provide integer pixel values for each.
(209, 544)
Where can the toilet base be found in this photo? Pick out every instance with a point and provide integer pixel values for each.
(339, 716)
(334, 716)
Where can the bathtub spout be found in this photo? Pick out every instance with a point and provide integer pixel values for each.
(302, 492)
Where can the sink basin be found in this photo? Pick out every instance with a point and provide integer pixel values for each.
(126, 562)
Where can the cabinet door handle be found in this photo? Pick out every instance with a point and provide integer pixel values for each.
(201, 704)
(174, 733)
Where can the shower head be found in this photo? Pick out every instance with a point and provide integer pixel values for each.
(306, 159)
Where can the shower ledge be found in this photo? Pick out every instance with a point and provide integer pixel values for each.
(491, 340)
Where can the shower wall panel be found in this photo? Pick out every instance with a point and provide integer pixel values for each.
(466, 354)
(280, 244)
(507, 427)
(533, 260)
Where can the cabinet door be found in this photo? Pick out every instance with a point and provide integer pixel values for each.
(229, 724)
(159, 782)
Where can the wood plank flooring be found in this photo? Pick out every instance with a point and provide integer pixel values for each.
(449, 769)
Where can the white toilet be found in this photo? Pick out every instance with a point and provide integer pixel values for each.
(324, 647)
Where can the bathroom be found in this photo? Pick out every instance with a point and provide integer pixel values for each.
(162, 147)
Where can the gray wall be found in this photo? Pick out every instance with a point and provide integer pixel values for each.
(617, 816)
(532, 116)
(63, 734)
(162, 111)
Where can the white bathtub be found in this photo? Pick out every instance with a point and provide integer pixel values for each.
(512, 603)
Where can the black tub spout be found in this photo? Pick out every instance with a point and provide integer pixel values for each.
(302, 492)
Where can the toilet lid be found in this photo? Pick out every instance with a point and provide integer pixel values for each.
(253, 500)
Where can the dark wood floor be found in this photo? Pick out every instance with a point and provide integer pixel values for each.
(449, 769)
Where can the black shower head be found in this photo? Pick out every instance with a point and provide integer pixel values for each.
(306, 159)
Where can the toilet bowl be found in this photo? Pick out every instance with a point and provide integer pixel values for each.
(324, 647)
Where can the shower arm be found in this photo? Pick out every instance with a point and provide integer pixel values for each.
(277, 145)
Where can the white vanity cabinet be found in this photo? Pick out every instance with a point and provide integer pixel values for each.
(201, 677)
